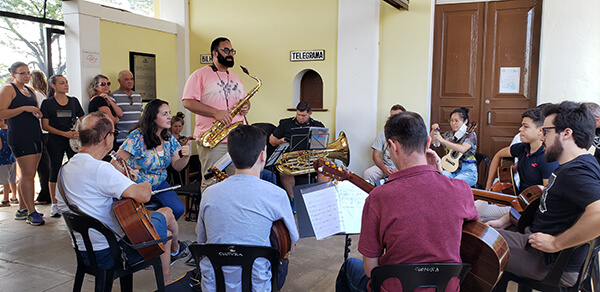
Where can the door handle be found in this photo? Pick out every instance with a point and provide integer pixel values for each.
(489, 117)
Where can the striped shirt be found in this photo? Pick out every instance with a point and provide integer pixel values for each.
(131, 105)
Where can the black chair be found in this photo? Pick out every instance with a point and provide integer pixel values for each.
(104, 278)
(236, 255)
(480, 157)
(413, 276)
(268, 128)
(193, 196)
(552, 281)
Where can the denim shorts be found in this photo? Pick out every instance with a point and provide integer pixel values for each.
(105, 260)
(26, 148)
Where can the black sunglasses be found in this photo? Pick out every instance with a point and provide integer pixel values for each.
(104, 83)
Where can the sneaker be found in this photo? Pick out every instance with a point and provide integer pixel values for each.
(21, 214)
(5, 204)
(35, 219)
(54, 213)
(183, 251)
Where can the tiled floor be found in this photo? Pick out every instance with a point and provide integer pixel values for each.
(42, 259)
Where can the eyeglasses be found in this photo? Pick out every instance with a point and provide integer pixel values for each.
(228, 51)
(115, 133)
(104, 83)
(545, 130)
(23, 73)
(454, 121)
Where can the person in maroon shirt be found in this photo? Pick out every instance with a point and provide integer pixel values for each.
(416, 217)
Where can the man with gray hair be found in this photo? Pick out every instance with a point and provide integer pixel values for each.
(130, 103)
(595, 109)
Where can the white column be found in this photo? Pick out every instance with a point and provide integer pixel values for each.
(357, 78)
(177, 11)
(82, 34)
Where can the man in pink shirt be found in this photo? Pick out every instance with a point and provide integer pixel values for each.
(211, 92)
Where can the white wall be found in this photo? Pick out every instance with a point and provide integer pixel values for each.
(357, 77)
(570, 51)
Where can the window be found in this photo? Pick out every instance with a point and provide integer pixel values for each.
(143, 7)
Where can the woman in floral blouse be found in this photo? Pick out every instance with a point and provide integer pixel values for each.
(150, 148)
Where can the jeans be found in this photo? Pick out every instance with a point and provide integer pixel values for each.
(352, 277)
(468, 173)
(169, 199)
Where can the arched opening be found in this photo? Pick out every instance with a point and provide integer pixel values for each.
(308, 86)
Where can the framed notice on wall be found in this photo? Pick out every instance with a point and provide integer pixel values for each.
(143, 68)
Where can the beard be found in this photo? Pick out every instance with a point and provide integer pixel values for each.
(225, 61)
(552, 153)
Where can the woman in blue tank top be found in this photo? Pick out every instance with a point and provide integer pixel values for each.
(18, 105)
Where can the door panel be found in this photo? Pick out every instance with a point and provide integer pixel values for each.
(512, 40)
(457, 60)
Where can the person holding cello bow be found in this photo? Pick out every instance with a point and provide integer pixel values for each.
(241, 210)
(92, 185)
(416, 216)
(532, 167)
(569, 209)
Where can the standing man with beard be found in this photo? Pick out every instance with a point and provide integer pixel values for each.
(569, 209)
(211, 92)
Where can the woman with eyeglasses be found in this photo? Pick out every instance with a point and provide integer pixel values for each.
(99, 90)
(18, 104)
(60, 113)
(459, 120)
(151, 148)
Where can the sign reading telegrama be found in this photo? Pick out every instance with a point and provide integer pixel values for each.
(312, 55)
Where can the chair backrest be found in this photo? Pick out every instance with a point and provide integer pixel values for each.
(268, 128)
(413, 276)
(236, 255)
(553, 277)
(483, 175)
(82, 224)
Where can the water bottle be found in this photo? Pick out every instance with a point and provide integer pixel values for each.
(436, 143)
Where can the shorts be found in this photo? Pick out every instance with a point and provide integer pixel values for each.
(26, 148)
(105, 260)
(8, 173)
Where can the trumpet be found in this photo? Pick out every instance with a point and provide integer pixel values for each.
(218, 131)
(301, 162)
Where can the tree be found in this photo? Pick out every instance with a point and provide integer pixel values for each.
(19, 39)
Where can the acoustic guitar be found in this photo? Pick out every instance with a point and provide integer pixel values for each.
(523, 206)
(280, 235)
(135, 220)
(451, 161)
(481, 246)
(505, 183)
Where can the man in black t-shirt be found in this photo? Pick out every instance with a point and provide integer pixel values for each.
(569, 208)
(282, 135)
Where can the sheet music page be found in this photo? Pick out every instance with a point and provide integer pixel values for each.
(323, 211)
(351, 203)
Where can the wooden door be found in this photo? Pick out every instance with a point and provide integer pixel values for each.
(473, 44)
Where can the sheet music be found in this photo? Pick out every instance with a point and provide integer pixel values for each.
(323, 211)
(351, 203)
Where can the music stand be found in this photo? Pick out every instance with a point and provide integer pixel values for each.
(318, 137)
(276, 154)
(299, 138)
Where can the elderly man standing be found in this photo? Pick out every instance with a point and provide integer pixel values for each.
(130, 103)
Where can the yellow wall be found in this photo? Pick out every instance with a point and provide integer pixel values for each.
(117, 40)
(404, 58)
(264, 32)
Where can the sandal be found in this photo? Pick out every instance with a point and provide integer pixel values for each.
(16, 201)
(5, 204)
(41, 203)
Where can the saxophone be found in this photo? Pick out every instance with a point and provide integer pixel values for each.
(218, 131)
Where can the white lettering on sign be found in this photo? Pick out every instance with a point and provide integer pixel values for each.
(312, 55)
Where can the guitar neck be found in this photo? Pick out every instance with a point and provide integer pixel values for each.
(361, 183)
(498, 198)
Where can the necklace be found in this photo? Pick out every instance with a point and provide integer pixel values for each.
(225, 87)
